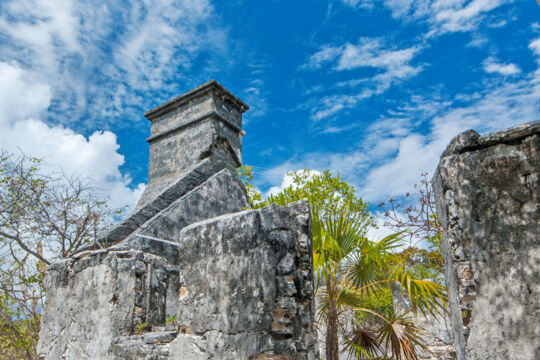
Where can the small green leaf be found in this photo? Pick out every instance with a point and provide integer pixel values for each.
(171, 319)
(140, 327)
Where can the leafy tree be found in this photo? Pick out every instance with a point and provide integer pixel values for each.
(328, 193)
(18, 334)
(43, 217)
(353, 272)
(245, 173)
(353, 268)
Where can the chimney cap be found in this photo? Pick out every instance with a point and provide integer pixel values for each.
(201, 90)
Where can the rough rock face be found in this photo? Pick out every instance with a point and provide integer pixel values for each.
(238, 286)
(189, 275)
(488, 200)
(209, 189)
(98, 296)
(248, 286)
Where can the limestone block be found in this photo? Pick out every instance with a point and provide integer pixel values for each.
(237, 302)
(98, 296)
(488, 190)
(223, 194)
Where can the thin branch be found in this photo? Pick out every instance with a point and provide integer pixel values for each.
(24, 247)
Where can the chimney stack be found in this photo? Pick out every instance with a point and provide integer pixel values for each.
(185, 130)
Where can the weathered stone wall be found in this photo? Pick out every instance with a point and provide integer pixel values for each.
(248, 287)
(97, 296)
(238, 286)
(488, 200)
(189, 275)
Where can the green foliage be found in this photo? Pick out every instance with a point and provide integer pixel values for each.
(356, 274)
(43, 217)
(245, 173)
(379, 300)
(353, 272)
(18, 334)
(423, 263)
(171, 319)
(141, 327)
(326, 192)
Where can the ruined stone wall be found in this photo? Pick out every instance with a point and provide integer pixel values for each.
(189, 275)
(248, 287)
(238, 286)
(488, 200)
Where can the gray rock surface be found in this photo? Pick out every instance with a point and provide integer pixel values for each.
(100, 295)
(487, 192)
(222, 193)
(196, 184)
(238, 286)
(189, 275)
(248, 291)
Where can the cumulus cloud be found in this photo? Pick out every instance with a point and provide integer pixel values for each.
(100, 59)
(69, 68)
(22, 102)
(492, 65)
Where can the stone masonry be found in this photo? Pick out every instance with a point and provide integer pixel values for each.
(189, 274)
(488, 200)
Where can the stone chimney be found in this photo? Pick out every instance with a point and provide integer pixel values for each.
(185, 130)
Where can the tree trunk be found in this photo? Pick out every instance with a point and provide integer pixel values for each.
(332, 342)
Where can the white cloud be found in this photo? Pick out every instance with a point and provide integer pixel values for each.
(369, 52)
(20, 97)
(443, 16)
(75, 66)
(399, 147)
(491, 65)
(96, 158)
(327, 53)
(100, 58)
(372, 52)
(535, 47)
(288, 180)
(391, 65)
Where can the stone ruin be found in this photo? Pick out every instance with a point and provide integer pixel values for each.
(488, 201)
(189, 275)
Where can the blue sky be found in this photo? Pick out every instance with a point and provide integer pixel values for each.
(372, 89)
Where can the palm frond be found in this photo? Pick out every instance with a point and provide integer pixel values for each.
(371, 260)
(426, 295)
(401, 337)
(362, 343)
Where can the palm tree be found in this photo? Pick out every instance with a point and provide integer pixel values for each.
(348, 267)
